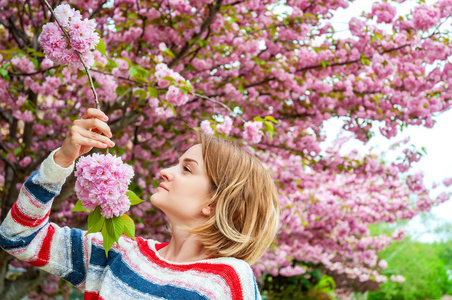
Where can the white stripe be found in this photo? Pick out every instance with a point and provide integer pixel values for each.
(210, 285)
(27, 197)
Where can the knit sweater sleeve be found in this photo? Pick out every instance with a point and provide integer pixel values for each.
(247, 281)
(27, 234)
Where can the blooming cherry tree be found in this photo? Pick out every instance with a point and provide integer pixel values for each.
(268, 81)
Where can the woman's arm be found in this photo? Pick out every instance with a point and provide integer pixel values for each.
(27, 234)
(26, 231)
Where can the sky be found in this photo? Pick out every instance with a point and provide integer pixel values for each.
(437, 163)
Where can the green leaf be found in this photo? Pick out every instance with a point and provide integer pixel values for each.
(271, 119)
(132, 72)
(134, 200)
(115, 227)
(325, 63)
(111, 64)
(3, 72)
(127, 60)
(185, 90)
(80, 74)
(268, 126)
(170, 53)
(108, 240)
(120, 90)
(95, 221)
(168, 78)
(258, 119)
(38, 54)
(34, 61)
(129, 226)
(153, 92)
(142, 94)
(101, 47)
(364, 60)
(79, 207)
(17, 151)
(97, 226)
(13, 50)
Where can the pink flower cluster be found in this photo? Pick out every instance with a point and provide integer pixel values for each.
(175, 95)
(86, 4)
(384, 11)
(103, 180)
(425, 16)
(397, 278)
(226, 126)
(447, 181)
(205, 126)
(83, 38)
(252, 132)
(23, 63)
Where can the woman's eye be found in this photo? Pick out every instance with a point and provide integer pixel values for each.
(186, 169)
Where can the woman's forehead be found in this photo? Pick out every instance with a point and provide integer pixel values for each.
(194, 152)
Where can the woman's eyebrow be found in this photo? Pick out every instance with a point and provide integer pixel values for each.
(190, 160)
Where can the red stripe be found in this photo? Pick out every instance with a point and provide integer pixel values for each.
(25, 220)
(92, 296)
(44, 253)
(31, 199)
(160, 246)
(225, 271)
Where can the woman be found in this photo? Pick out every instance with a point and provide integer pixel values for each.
(221, 204)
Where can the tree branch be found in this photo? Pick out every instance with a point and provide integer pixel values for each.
(97, 9)
(13, 32)
(6, 117)
(33, 73)
(199, 48)
(332, 65)
(28, 128)
(204, 26)
(21, 33)
(21, 286)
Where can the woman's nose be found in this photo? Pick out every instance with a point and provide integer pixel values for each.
(166, 174)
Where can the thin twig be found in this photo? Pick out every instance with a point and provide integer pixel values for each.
(220, 103)
(156, 87)
(33, 73)
(78, 53)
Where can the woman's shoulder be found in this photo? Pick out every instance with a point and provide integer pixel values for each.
(232, 268)
(238, 265)
(237, 271)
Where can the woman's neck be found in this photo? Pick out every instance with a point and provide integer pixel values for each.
(183, 247)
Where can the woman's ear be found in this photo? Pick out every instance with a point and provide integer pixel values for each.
(207, 210)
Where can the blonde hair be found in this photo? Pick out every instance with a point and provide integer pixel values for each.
(244, 200)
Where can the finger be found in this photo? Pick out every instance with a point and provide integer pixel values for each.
(95, 113)
(95, 136)
(94, 125)
(83, 141)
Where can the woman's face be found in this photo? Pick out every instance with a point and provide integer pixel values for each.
(183, 194)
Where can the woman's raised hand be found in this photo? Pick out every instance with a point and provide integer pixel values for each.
(84, 134)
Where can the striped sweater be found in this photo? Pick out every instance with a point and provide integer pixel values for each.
(134, 269)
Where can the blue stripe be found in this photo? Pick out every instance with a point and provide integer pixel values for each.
(38, 191)
(78, 274)
(256, 290)
(12, 244)
(128, 276)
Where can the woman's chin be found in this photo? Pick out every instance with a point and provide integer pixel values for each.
(153, 200)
